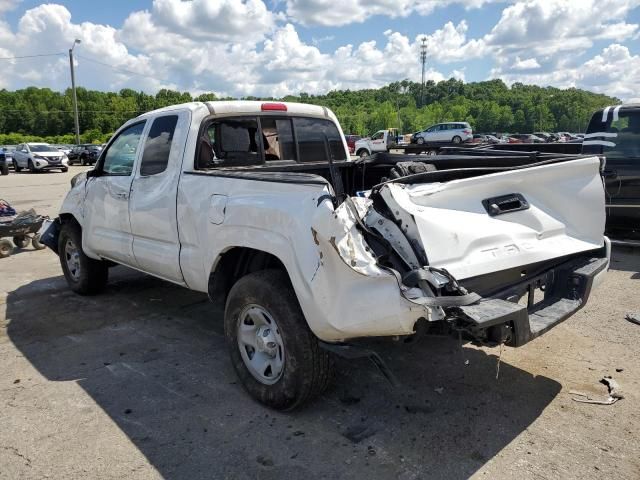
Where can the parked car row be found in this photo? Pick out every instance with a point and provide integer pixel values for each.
(40, 156)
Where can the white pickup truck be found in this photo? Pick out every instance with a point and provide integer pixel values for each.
(258, 205)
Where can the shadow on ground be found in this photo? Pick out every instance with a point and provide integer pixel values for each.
(152, 357)
(626, 259)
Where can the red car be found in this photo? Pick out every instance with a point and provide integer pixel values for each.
(351, 142)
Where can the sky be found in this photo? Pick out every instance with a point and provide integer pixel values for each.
(279, 47)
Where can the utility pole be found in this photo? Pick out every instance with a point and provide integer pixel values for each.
(73, 88)
(423, 59)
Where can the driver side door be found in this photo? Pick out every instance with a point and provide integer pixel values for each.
(107, 229)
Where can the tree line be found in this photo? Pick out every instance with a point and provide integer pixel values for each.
(41, 114)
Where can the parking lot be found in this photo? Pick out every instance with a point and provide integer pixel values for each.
(136, 383)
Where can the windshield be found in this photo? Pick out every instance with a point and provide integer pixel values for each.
(41, 148)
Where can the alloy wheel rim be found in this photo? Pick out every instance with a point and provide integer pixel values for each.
(72, 257)
(261, 345)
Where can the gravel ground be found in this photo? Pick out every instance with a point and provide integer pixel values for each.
(136, 383)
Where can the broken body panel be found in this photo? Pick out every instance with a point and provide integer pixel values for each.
(370, 265)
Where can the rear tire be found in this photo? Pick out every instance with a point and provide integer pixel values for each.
(21, 241)
(5, 248)
(276, 356)
(16, 167)
(64, 169)
(84, 275)
(5, 169)
(456, 139)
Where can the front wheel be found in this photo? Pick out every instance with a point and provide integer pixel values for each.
(5, 169)
(84, 275)
(456, 139)
(64, 169)
(16, 167)
(32, 169)
(274, 353)
(420, 141)
(363, 153)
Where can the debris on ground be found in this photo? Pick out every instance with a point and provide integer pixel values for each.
(439, 390)
(614, 393)
(633, 317)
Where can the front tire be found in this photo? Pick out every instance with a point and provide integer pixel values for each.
(274, 353)
(84, 275)
(362, 153)
(420, 140)
(64, 169)
(16, 167)
(32, 169)
(5, 169)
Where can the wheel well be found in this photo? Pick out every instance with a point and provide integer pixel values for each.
(235, 264)
(69, 218)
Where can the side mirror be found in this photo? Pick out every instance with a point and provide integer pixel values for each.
(93, 173)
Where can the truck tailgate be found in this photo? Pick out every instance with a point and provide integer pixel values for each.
(484, 224)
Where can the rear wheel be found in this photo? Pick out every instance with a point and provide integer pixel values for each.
(274, 353)
(21, 241)
(84, 275)
(456, 139)
(16, 167)
(5, 248)
(64, 169)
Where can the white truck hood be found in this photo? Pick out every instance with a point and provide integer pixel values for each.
(566, 215)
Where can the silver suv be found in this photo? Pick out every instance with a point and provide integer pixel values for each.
(453, 132)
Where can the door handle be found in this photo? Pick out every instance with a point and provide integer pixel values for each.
(122, 195)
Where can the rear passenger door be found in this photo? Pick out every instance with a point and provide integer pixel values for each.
(152, 204)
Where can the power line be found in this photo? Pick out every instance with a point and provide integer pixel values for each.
(33, 56)
(123, 70)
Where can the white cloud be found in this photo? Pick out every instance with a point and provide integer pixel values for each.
(614, 71)
(238, 20)
(526, 64)
(330, 13)
(449, 44)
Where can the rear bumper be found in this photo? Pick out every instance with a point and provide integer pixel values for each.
(566, 289)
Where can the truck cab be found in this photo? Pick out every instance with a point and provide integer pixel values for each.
(615, 133)
(381, 141)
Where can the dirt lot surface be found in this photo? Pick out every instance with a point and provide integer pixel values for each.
(136, 383)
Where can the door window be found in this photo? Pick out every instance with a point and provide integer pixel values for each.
(377, 136)
(157, 146)
(121, 154)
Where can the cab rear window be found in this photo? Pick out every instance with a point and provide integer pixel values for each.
(255, 141)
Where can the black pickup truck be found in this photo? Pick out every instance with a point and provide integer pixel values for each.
(615, 133)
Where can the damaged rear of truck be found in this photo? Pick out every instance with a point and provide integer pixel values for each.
(259, 205)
